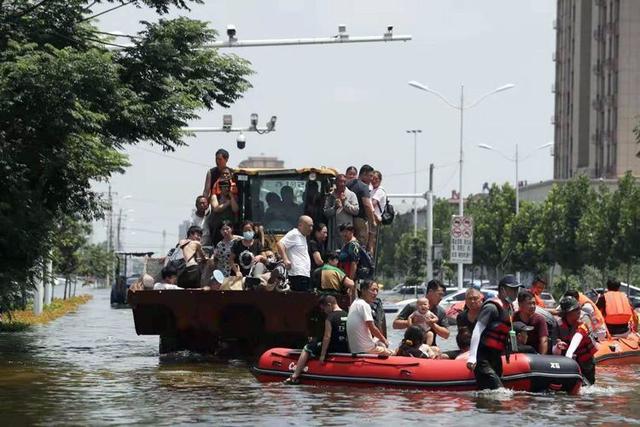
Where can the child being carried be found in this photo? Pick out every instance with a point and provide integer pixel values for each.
(423, 318)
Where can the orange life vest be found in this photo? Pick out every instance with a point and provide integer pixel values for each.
(617, 308)
(583, 299)
(586, 349)
(539, 301)
(496, 335)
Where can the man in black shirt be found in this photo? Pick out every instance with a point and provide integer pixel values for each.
(435, 292)
(222, 157)
(491, 336)
(365, 214)
(334, 339)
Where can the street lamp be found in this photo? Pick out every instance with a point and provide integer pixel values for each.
(516, 159)
(460, 107)
(415, 133)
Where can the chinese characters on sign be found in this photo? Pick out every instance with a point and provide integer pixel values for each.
(461, 240)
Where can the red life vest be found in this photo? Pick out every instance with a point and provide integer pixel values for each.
(586, 349)
(496, 335)
(618, 311)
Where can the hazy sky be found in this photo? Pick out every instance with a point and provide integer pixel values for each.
(350, 104)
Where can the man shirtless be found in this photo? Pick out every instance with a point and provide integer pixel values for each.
(193, 256)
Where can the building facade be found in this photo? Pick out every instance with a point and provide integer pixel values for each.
(597, 88)
(261, 162)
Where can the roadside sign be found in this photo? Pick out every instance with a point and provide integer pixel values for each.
(461, 240)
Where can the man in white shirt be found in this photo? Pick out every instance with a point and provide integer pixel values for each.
(295, 254)
(169, 279)
(361, 328)
(200, 217)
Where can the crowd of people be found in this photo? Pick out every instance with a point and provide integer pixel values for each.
(305, 258)
(515, 321)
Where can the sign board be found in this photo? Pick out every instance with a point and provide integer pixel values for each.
(461, 240)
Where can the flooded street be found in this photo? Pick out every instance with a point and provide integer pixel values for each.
(91, 368)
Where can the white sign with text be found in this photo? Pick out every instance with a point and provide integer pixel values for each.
(461, 240)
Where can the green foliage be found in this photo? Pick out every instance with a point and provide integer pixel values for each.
(410, 256)
(563, 209)
(491, 214)
(94, 260)
(68, 106)
(523, 246)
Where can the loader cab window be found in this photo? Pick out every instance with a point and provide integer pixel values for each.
(277, 201)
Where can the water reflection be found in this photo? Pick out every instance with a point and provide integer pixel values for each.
(91, 368)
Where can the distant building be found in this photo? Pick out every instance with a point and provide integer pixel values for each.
(538, 192)
(183, 227)
(597, 88)
(262, 162)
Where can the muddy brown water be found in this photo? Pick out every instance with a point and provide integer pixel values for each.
(90, 368)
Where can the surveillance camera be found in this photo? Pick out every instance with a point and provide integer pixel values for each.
(241, 141)
(231, 31)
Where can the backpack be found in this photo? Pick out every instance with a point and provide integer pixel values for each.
(365, 265)
(388, 214)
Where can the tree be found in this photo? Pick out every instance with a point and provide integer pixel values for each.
(558, 226)
(522, 245)
(410, 257)
(491, 214)
(94, 260)
(598, 232)
(70, 234)
(69, 105)
(626, 201)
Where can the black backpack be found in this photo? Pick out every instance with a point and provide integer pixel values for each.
(365, 265)
(388, 214)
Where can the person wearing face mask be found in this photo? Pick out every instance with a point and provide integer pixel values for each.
(493, 335)
(246, 251)
(222, 251)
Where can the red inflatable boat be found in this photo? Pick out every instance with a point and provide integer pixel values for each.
(524, 372)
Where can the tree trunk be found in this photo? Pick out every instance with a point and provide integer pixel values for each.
(66, 285)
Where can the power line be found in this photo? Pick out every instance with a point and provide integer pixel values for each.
(180, 159)
(106, 11)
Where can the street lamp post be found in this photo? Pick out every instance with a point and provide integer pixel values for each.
(516, 159)
(415, 133)
(461, 107)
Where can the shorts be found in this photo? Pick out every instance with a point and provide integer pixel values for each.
(361, 227)
(190, 277)
(300, 283)
(314, 349)
(380, 349)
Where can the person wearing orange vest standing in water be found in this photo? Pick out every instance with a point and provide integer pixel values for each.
(616, 309)
(493, 335)
(589, 308)
(537, 288)
(574, 340)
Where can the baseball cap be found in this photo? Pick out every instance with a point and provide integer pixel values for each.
(522, 327)
(510, 281)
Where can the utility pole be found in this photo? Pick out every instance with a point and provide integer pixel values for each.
(415, 133)
(164, 241)
(430, 225)
(118, 243)
(110, 238)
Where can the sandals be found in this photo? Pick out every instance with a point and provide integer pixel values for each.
(291, 381)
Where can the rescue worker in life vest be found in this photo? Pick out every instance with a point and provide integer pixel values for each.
(574, 338)
(616, 309)
(491, 335)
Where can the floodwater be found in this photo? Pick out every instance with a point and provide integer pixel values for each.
(90, 368)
